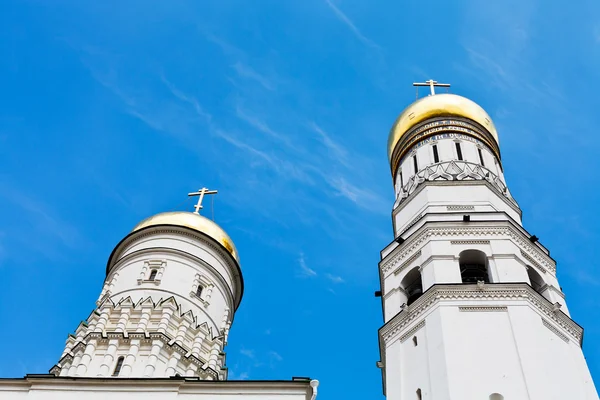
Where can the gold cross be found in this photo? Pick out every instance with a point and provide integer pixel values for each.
(201, 193)
(432, 84)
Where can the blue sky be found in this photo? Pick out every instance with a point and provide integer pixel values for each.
(112, 111)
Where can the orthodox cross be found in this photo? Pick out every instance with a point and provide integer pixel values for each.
(201, 193)
(432, 84)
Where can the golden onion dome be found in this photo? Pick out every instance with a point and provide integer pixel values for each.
(192, 221)
(439, 105)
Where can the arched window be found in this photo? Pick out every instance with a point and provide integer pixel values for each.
(153, 274)
(535, 279)
(118, 366)
(419, 394)
(473, 266)
(412, 285)
(199, 291)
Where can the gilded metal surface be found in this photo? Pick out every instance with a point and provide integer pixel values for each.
(439, 105)
(192, 221)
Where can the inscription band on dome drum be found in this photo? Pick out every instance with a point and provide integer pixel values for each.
(436, 126)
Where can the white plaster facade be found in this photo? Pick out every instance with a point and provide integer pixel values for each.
(507, 333)
(54, 388)
(165, 309)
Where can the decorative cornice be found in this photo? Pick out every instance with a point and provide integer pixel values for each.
(469, 242)
(555, 330)
(453, 171)
(126, 337)
(460, 208)
(407, 262)
(426, 232)
(482, 308)
(412, 331)
(507, 293)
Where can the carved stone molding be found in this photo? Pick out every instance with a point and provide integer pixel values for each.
(482, 308)
(412, 331)
(469, 242)
(427, 232)
(460, 208)
(555, 330)
(507, 293)
(453, 171)
(407, 262)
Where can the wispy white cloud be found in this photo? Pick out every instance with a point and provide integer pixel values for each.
(248, 353)
(275, 356)
(348, 22)
(305, 270)
(335, 278)
(337, 150)
(245, 71)
(260, 125)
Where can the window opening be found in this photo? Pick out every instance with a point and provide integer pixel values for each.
(153, 275)
(199, 291)
(458, 151)
(473, 266)
(118, 366)
(436, 157)
(480, 157)
(401, 180)
(537, 282)
(415, 341)
(415, 163)
(419, 395)
(413, 286)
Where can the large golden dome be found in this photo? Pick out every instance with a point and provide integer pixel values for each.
(192, 221)
(439, 105)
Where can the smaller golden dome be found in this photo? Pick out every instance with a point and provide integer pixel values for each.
(192, 221)
(439, 105)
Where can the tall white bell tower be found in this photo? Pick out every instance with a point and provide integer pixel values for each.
(471, 303)
(172, 286)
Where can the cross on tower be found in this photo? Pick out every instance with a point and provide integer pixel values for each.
(432, 84)
(201, 193)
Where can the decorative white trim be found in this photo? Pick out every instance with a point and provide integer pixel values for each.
(412, 331)
(470, 242)
(482, 308)
(533, 261)
(407, 262)
(493, 292)
(460, 208)
(426, 232)
(555, 330)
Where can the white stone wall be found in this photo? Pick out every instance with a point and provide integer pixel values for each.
(96, 389)
(511, 335)
(159, 325)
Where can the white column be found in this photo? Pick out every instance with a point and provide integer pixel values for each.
(157, 345)
(109, 357)
(122, 324)
(191, 370)
(163, 325)
(86, 358)
(181, 332)
(102, 320)
(76, 361)
(134, 348)
(172, 364)
(145, 317)
(214, 355)
(197, 345)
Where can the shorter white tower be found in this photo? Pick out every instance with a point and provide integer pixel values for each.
(172, 286)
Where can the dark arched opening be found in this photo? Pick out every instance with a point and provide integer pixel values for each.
(412, 285)
(473, 266)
